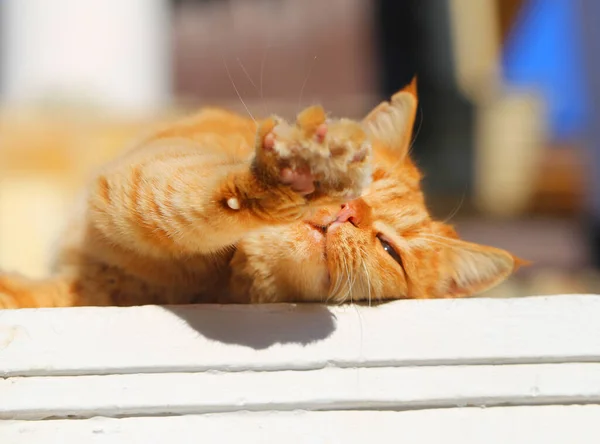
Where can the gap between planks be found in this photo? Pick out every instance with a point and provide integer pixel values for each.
(399, 389)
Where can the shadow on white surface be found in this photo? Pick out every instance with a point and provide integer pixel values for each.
(260, 327)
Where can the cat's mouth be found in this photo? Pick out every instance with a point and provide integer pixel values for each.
(318, 232)
(319, 227)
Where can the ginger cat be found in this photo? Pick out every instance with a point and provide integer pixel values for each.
(218, 208)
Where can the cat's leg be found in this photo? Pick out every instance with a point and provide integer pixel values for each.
(90, 283)
(20, 292)
(172, 198)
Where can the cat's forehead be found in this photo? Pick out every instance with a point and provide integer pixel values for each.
(403, 218)
(398, 205)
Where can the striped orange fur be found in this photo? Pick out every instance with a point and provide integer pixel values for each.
(219, 208)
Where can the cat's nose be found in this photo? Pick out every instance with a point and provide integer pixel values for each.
(350, 212)
(347, 214)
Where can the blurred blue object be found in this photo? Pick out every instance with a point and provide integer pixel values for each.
(543, 52)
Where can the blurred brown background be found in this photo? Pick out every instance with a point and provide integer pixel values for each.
(78, 84)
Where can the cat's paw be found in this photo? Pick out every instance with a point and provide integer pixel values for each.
(315, 156)
(346, 171)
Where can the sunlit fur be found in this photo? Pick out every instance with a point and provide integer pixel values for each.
(157, 226)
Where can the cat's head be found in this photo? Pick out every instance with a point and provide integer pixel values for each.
(381, 246)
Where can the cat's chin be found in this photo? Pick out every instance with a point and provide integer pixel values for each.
(317, 232)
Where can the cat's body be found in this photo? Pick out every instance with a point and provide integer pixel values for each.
(218, 208)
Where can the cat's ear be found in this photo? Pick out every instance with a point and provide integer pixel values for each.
(471, 268)
(392, 122)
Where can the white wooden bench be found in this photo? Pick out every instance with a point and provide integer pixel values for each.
(436, 371)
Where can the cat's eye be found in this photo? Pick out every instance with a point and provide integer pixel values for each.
(390, 250)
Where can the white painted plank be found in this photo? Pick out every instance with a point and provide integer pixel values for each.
(271, 337)
(400, 388)
(501, 425)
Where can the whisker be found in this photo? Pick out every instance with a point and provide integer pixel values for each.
(334, 292)
(306, 80)
(338, 284)
(360, 324)
(368, 282)
(430, 238)
(262, 70)
(348, 283)
(457, 208)
(246, 72)
(353, 276)
(236, 90)
(433, 235)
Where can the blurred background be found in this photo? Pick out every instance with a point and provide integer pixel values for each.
(508, 126)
